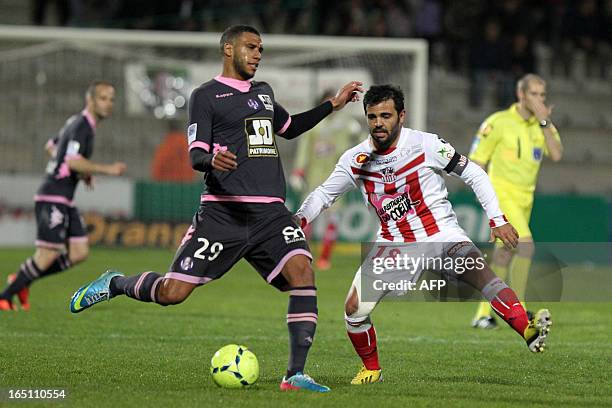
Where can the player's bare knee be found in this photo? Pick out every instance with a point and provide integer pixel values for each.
(167, 297)
(298, 272)
(351, 304)
(79, 255)
(172, 292)
(44, 258)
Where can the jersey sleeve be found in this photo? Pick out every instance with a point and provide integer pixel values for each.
(282, 119)
(339, 182)
(438, 152)
(80, 143)
(199, 131)
(484, 142)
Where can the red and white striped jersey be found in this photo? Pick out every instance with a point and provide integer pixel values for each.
(404, 186)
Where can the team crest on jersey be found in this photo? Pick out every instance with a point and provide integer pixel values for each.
(186, 263)
(394, 207)
(537, 153)
(388, 175)
(267, 102)
(253, 104)
(361, 158)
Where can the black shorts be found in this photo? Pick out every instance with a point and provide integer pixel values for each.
(56, 224)
(222, 233)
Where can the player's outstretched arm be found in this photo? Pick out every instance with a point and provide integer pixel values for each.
(303, 122)
(85, 166)
(339, 182)
(348, 93)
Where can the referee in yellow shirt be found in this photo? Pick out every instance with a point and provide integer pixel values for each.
(510, 145)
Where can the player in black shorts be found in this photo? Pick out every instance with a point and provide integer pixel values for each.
(233, 123)
(61, 240)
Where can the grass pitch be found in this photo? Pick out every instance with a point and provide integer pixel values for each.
(127, 353)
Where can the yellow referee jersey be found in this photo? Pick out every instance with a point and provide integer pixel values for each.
(513, 147)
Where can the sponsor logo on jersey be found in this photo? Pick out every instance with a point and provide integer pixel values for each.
(394, 207)
(385, 160)
(253, 104)
(224, 95)
(293, 234)
(260, 137)
(361, 158)
(446, 152)
(267, 102)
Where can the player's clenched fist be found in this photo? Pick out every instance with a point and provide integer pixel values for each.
(224, 161)
(117, 168)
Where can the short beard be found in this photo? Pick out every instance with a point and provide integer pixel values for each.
(240, 71)
(393, 135)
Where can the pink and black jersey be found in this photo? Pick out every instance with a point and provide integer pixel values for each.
(404, 186)
(242, 117)
(75, 139)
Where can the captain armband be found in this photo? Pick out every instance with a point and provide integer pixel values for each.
(457, 164)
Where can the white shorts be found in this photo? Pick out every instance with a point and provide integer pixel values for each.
(395, 268)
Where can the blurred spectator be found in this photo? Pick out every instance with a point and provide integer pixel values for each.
(488, 60)
(40, 7)
(399, 18)
(171, 159)
(522, 59)
(428, 25)
(462, 25)
(584, 38)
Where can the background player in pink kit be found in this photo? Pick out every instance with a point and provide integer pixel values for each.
(61, 240)
(398, 171)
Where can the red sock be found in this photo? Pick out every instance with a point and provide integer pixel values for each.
(365, 345)
(329, 239)
(509, 308)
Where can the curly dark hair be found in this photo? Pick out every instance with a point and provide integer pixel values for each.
(380, 93)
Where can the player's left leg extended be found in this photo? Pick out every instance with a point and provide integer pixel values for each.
(506, 305)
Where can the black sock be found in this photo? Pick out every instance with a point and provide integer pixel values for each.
(28, 272)
(61, 263)
(302, 323)
(142, 287)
